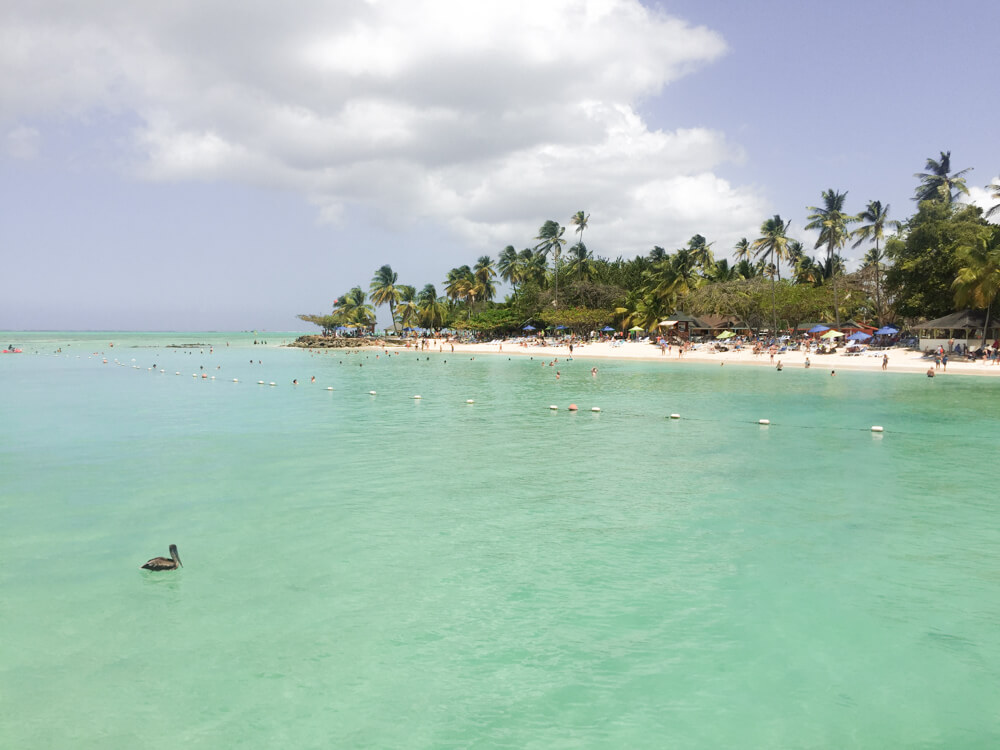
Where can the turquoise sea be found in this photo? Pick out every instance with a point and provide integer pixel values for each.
(390, 572)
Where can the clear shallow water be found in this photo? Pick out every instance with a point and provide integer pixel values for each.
(388, 572)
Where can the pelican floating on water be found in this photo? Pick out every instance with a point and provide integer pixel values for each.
(165, 563)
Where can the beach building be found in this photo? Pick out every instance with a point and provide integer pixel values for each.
(964, 327)
(680, 324)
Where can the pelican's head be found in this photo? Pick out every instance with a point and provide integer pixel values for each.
(174, 555)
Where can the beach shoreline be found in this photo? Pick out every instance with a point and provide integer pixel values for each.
(900, 360)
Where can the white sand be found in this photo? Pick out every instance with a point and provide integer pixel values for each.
(900, 360)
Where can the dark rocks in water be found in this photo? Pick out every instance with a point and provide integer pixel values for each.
(333, 342)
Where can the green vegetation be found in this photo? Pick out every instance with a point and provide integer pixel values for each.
(946, 256)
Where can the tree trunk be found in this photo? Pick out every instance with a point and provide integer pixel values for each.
(878, 293)
(986, 324)
(833, 273)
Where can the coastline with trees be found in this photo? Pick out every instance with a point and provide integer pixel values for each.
(942, 258)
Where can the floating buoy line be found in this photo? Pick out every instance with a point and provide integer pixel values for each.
(876, 430)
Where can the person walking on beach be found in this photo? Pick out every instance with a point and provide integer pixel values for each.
(885, 361)
(944, 363)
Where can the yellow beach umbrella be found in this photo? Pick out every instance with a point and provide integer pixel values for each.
(725, 335)
(831, 334)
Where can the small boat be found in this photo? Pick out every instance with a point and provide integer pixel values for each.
(164, 563)
(11, 351)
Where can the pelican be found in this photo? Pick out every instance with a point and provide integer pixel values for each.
(164, 563)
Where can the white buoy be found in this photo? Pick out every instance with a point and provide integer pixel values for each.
(212, 378)
(176, 373)
(469, 401)
(764, 422)
(418, 397)
(236, 380)
(553, 407)
(595, 408)
(329, 387)
(272, 383)
(877, 428)
(675, 416)
(371, 393)
(260, 382)
(194, 374)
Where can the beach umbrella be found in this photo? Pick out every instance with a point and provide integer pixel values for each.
(831, 334)
(859, 336)
(607, 328)
(725, 335)
(818, 329)
(886, 331)
(529, 327)
(667, 323)
(633, 329)
(560, 328)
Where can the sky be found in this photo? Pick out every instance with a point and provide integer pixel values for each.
(227, 165)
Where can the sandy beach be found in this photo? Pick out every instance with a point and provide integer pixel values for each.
(900, 360)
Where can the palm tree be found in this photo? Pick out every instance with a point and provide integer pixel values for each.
(484, 273)
(774, 242)
(550, 240)
(657, 254)
(876, 219)
(508, 267)
(702, 252)
(353, 309)
(532, 265)
(978, 280)
(431, 311)
(580, 262)
(744, 269)
(873, 260)
(580, 220)
(994, 187)
(831, 221)
(384, 291)
(938, 184)
(407, 311)
(722, 271)
(457, 283)
(743, 250)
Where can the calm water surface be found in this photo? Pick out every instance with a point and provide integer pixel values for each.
(382, 571)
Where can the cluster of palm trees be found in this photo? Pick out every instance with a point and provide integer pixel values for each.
(649, 287)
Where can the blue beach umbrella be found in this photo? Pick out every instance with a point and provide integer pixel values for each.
(859, 336)
(607, 328)
(560, 328)
(886, 331)
(529, 327)
(818, 329)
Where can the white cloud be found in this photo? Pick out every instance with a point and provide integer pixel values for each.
(22, 143)
(485, 117)
(984, 198)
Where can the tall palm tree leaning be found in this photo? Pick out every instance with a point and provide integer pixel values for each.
(774, 242)
(874, 219)
(550, 240)
(831, 221)
(938, 183)
(383, 291)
